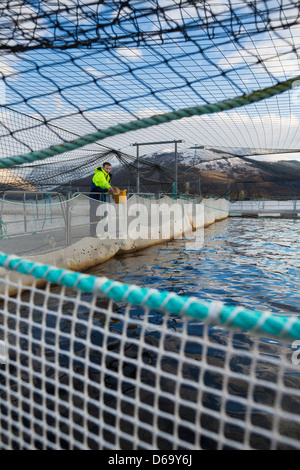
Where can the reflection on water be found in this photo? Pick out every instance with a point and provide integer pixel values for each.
(252, 262)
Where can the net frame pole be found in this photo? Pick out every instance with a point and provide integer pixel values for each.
(175, 142)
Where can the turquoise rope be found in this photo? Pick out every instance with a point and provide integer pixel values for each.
(155, 120)
(286, 327)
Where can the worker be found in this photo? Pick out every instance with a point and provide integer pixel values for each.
(100, 186)
(101, 182)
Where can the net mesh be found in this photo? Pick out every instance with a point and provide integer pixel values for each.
(34, 224)
(82, 371)
(71, 68)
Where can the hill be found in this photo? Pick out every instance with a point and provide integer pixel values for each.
(214, 174)
(205, 172)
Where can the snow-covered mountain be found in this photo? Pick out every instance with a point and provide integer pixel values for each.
(215, 172)
(204, 160)
(210, 172)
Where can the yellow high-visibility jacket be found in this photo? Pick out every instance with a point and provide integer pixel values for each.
(101, 179)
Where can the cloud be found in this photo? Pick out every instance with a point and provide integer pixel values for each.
(9, 73)
(130, 53)
(19, 21)
(148, 112)
(2, 92)
(91, 71)
(270, 54)
(6, 68)
(233, 129)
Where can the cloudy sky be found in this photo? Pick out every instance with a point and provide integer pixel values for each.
(153, 58)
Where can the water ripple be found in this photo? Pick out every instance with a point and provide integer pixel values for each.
(249, 262)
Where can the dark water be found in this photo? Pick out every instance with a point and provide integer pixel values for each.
(250, 262)
(239, 261)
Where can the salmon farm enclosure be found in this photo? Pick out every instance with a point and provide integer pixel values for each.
(161, 315)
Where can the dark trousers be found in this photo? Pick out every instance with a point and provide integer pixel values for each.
(94, 198)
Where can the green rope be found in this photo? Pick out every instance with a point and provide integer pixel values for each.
(155, 120)
(287, 327)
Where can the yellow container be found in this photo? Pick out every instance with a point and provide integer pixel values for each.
(121, 198)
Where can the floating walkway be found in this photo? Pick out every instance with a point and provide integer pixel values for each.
(279, 209)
